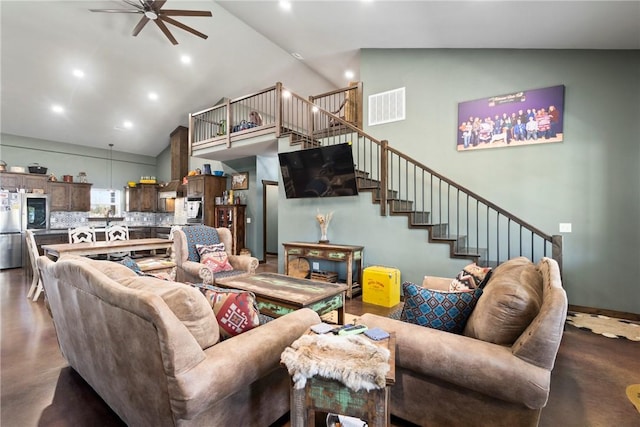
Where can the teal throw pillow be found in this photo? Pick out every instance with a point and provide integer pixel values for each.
(447, 311)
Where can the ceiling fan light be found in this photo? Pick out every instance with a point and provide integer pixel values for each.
(151, 15)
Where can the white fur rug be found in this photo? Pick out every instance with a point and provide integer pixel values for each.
(610, 327)
(353, 360)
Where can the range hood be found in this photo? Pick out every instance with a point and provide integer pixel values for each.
(179, 164)
(171, 190)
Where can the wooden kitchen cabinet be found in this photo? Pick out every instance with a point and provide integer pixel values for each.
(206, 186)
(141, 198)
(70, 197)
(233, 217)
(29, 181)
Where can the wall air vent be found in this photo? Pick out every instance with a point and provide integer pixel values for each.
(386, 107)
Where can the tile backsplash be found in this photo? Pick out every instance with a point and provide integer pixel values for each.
(64, 220)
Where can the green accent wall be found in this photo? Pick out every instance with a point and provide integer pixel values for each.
(591, 179)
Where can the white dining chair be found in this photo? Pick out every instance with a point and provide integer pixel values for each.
(36, 283)
(82, 234)
(117, 232)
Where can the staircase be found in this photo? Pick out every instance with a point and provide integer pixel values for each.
(473, 227)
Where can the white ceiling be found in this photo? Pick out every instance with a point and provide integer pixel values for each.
(248, 48)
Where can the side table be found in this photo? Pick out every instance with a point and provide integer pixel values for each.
(327, 395)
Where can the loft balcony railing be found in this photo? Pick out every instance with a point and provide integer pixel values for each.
(474, 227)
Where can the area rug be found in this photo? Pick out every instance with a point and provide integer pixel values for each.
(609, 327)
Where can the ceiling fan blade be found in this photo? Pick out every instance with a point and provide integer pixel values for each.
(116, 10)
(184, 27)
(166, 31)
(133, 3)
(140, 25)
(156, 5)
(176, 12)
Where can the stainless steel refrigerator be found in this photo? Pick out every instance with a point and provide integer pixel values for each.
(10, 230)
(19, 212)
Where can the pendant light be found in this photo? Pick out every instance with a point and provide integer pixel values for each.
(111, 169)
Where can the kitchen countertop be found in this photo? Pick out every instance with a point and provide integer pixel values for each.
(53, 231)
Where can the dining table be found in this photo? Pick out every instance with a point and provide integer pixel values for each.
(106, 247)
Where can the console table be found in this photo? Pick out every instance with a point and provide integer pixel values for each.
(330, 252)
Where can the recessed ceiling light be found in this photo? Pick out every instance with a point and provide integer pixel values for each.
(286, 94)
(127, 124)
(153, 96)
(185, 59)
(349, 74)
(297, 56)
(57, 109)
(286, 5)
(314, 109)
(78, 73)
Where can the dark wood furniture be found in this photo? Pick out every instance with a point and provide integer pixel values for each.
(29, 181)
(327, 395)
(69, 196)
(233, 217)
(141, 198)
(206, 187)
(330, 252)
(278, 294)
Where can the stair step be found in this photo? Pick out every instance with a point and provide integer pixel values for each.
(368, 183)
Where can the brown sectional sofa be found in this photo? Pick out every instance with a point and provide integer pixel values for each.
(151, 349)
(498, 372)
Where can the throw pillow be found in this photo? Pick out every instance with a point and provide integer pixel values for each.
(236, 310)
(214, 257)
(511, 300)
(447, 311)
(471, 277)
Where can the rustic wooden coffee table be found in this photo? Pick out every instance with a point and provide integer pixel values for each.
(278, 294)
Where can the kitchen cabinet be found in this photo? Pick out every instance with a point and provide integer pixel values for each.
(205, 189)
(28, 181)
(141, 198)
(233, 217)
(208, 186)
(70, 197)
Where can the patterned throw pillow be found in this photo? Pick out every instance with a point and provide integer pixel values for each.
(471, 277)
(447, 311)
(214, 257)
(236, 310)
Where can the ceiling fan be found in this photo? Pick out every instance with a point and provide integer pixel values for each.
(152, 11)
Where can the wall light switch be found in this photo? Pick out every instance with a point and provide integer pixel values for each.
(248, 220)
(565, 227)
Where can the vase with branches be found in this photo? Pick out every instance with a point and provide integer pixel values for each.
(324, 220)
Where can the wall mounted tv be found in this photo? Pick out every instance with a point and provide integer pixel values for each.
(319, 172)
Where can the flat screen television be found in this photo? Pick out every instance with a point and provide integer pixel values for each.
(319, 172)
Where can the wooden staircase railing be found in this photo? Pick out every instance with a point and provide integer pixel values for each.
(472, 226)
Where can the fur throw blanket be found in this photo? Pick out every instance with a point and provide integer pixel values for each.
(353, 360)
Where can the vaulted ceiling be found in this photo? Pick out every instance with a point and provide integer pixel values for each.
(249, 47)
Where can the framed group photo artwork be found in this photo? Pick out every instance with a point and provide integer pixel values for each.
(518, 118)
